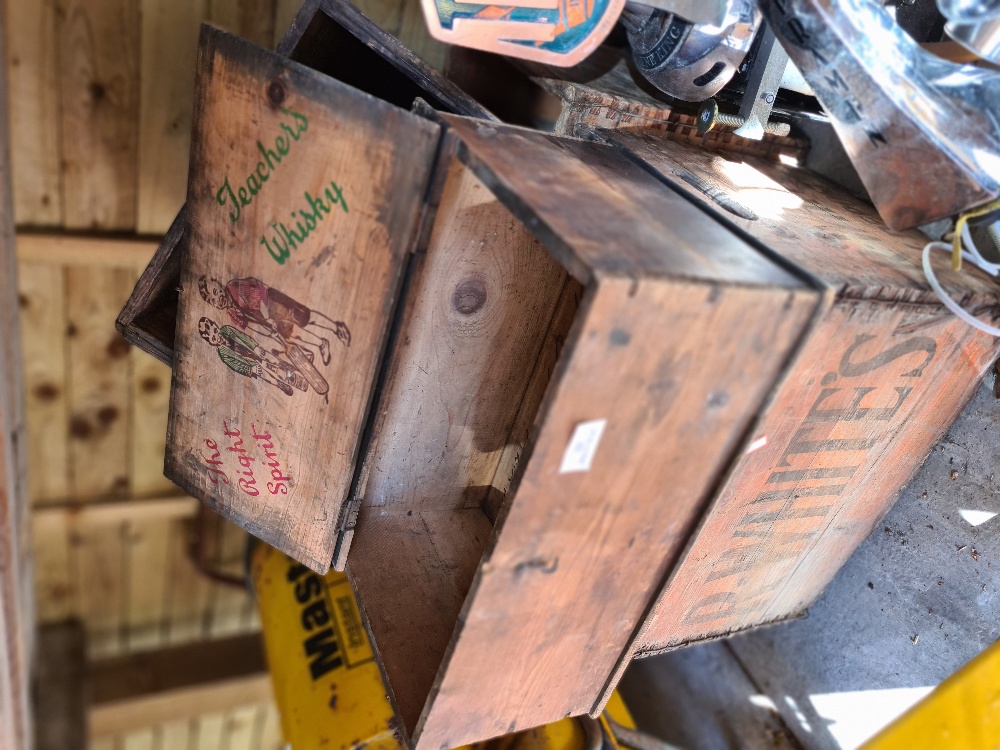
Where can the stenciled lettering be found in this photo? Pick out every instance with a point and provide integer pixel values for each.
(790, 512)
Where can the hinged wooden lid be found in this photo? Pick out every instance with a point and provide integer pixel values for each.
(304, 199)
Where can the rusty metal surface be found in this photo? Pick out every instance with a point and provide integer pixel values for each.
(922, 132)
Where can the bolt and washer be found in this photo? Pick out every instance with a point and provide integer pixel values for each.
(709, 117)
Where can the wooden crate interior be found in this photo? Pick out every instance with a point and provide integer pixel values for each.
(501, 307)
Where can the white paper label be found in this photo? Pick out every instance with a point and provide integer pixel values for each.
(582, 446)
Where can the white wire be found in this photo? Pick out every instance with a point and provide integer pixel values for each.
(951, 304)
(974, 256)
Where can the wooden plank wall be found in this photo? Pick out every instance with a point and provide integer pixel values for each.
(100, 95)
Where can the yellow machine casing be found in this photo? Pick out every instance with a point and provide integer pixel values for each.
(327, 684)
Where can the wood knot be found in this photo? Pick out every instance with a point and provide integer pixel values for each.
(107, 414)
(469, 296)
(150, 384)
(46, 392)
(98, 91)
(118, 348)
(80, 428)
(619, 337)
(276, 93)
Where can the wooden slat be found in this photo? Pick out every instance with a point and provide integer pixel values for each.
(150, 397)
(413, 34)
(230, 605)
(141, 740)
(254, 20)
(271, 736)
(94, 252)
(241, 726)
(168, 669)
(175, 735)
(145, 563)
(17, 641)
(667, 236)
(60, 699)
(201, 701)
(98, 515)
(209, 732)
(62, 535)
(55, 584)
(169, 47)
(99, 382)
(99, 98)
(188, 598)
(98, 575)
(284, 14)
(43, 335)
(32, 72)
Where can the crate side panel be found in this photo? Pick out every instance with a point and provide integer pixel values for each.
(579, 554)
(874, 389)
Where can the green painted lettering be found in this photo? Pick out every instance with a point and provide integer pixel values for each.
(234, 213)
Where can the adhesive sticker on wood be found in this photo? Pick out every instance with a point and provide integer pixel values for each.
(582, 446)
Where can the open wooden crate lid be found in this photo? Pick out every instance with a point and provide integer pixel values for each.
(304, 198)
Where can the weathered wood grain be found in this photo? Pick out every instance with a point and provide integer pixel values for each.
(99, 576)
(209, 704)
(604, 92)
(412, 571)
(17, 615)
(33, 88)
(339, 279)
(335, 38)
(42, 297)
(252, 20)
(60, 695)
(529, 591)
(100, 376)
(54, 582)
(99, 103)
(569, 173)
(169, 45)
(528, 624)
(483, 293)
(149, 394)
(878, 382)
(145, 558)
(284, 13)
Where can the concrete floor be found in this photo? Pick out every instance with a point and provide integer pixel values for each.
(915, 602)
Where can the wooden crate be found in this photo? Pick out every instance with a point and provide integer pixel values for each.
(577, 355)
(335, 38)
(882, 376)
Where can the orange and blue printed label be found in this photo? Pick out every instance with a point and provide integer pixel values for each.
(554, 32)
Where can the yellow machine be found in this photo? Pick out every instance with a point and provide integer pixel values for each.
(328, 686)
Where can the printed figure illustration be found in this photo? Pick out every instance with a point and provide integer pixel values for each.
(243, 355)
(258, 309)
